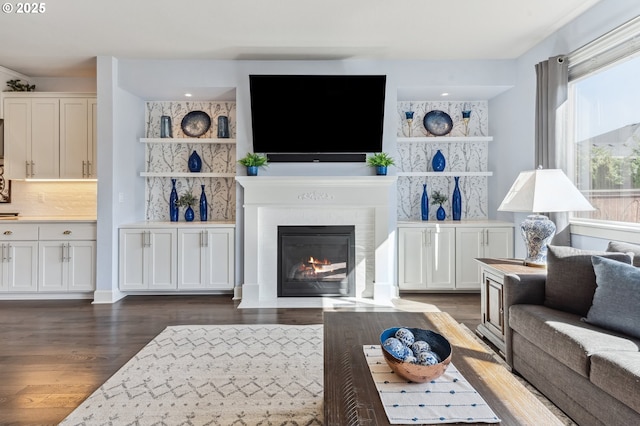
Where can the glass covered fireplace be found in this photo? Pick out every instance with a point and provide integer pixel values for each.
(316, 261)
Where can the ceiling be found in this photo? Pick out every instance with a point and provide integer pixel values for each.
(65, 39)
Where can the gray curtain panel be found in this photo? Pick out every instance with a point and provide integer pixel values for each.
(551, 94)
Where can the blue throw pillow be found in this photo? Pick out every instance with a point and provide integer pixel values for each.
(616, 302)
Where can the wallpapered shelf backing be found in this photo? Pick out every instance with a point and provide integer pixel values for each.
(460, 157)
(173, 157)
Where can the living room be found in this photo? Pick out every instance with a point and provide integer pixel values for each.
(125, 84)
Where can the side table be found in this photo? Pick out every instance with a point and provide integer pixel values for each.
(492, 321)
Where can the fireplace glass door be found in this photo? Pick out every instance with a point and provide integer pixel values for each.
(316, 261)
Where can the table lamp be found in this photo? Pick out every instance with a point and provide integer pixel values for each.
(537, 191)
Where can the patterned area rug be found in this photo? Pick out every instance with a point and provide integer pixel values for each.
(215, 375)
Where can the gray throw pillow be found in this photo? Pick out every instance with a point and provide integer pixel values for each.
(620, 247)
(571, 281)
(616, 303)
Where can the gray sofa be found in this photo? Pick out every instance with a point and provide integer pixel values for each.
(588, 366)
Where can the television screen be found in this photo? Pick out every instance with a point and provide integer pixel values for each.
(317, 113)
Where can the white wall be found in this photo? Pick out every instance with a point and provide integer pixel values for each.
(124, 84)
(513, 113)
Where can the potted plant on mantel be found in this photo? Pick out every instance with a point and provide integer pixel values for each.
(439, 198)
(187, 200)
(380, 161)
(252, 161)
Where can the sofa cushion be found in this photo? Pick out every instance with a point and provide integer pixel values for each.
(571, 281)
(616, 302)
(565, 337)
(620, 247)
(618, 374)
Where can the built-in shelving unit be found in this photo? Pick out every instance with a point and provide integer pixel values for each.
(187, 140)
(446, 139)
(445, 174)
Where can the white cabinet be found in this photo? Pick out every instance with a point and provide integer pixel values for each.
(48, 136)
(32, 138)
(67, 260)
(476, 242)
(148, 259)
(205, 258)
(19, 258)
(77, 138)
(441, 255)
(426, 258)
(170, 256)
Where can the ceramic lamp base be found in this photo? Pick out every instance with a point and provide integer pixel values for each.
(537, 231)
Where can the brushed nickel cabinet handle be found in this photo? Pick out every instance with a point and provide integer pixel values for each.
(67, 232)
(8, 232)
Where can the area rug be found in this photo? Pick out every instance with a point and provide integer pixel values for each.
(215, 375)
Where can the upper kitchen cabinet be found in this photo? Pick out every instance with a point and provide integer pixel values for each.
(49, 135)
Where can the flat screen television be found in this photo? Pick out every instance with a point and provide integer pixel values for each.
(317, 117)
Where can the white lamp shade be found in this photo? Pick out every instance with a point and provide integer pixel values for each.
(544, 190)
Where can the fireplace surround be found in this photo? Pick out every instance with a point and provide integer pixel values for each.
(364, 202)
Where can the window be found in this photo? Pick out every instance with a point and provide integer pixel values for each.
(603, 132)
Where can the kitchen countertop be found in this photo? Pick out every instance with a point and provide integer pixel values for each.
(48, 219)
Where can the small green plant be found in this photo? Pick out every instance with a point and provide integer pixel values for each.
(380, 159)
(438, 198)
(17, 86)
(253, 160)
(187, 200)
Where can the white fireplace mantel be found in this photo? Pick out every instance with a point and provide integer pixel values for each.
(365, 202)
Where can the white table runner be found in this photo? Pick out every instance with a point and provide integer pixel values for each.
(448, 399)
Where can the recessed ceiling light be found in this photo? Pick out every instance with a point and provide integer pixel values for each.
(188, 95)
(445, 94)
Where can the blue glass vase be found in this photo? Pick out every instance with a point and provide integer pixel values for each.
(195, 162)
(440, 213)
(438, 162)
(424, 203)
(456, 201)
(204, 208)
(173, 202)
(252, 170)
(189, 214)
(381, 170)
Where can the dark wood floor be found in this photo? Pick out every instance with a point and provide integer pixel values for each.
(54, 354)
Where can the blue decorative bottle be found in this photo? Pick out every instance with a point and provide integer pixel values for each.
(203, 205)
(173, 202)
(456, 201)
(438, 162)
(195, 162)
(424, 203)
(440, 213)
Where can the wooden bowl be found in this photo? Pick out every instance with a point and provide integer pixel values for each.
(416, 372)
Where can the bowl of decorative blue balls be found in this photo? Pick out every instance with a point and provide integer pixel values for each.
(416, 354)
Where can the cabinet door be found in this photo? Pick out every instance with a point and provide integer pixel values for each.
(44, 150)
(52, 270)
(470, 245)
(81, 264)
(74, 138)
(132, 259)
(493, 310)
(440, 260)
(498, 243)
(220, 264)
(161, 259)
(20, 265)
(411, 259)
(17, 136)
(192, 259)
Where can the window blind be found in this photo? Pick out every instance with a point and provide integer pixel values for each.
(619, 43)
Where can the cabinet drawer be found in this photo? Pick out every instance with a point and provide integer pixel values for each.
(76, 231)
(16, 232)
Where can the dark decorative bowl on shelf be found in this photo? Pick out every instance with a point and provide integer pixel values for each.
(438, 123)
(195, 123)
(413, 371)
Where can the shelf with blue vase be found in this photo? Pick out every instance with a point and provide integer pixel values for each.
(451, 139)
(187, 174)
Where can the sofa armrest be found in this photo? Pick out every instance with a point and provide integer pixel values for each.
(525, 289)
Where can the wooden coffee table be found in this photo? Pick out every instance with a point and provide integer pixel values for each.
(350, 395)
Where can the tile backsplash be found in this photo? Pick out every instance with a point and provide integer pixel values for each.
(46, 199)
